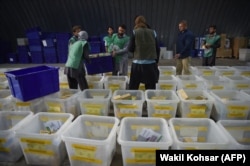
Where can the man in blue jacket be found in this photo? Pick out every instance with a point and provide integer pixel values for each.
(184, 46)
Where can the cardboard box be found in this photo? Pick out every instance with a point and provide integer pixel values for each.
(224, 52)
(239, 42)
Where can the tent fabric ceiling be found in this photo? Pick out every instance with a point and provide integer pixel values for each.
(231, 16)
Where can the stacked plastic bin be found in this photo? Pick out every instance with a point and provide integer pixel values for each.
(237, 131)
(49, 50)
(3, 79)
(167, 70)
(95, 101)
(6, 100)
(215, 83)
(63, 101)
(230, 105)
(91, 140)
(137, 151)
(115, 82)
(190, 82)
(40, 138)
(34, 36)
(161, 103)
(95, 82)
(202, 70)
(167, 82)
(197, 104)
(62, 41)
(224, 71)
(197, 133)
(23, 50)
(130, 106)
(10, 121)
(238, 82)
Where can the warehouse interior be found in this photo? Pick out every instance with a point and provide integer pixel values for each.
(36, 33)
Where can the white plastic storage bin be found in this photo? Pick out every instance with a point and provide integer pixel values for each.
(128, 107)
(39, 147)
(63, 82)
(197, 133)
(242, 70)
(230, 105)
(202, 70)
(35, 105)
(139, 152)
(161, 103)
(238, 82)
(246, 91)
(91, 140)
(199, 104)
(167, 70)
(3, 80)
(63, 101)
(95, 101)
(238, 132)
(6, 100)
(191, 82)
(10, 150)
(168, 82)
(215, 83)
(115, 82)
(224, 71)
(95, 82)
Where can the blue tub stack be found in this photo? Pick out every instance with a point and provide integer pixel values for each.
(49, 48)
(62, 40)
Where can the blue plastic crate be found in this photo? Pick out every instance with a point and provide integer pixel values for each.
(37, 57)
(95, 47)
(24, 57)
(62, 59)
(50, 58)
(63, 36)
(35, 42)
(49, 50)
(22, 49)
(36, 48)
(48, 42)
(33, 33)
(33, 82)
(98, 65)
(94, 39)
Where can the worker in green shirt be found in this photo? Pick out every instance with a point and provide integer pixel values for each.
(75, 30)
(212, 42)
(120, 52)
(108, 39)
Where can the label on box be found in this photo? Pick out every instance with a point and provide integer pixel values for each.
(153, 127)
(166, 86)
(44, 43)
(190, 86)
(64, 85)
(46, 118)
(163, 108)
(167, 73)
(142, 156)
(243, 86)
(227, 73)
(159, 115)
(237, 111)
(197, 111)
(114, 87)
(23, 104)
(37, 146)
(93, 109)
(200, 128)
(54, 107)
(217, 87)
(85, 153)
(39, 152)
(245, 73)
(6, 150)
(207, 72)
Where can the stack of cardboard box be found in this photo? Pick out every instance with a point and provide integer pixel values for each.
(239, 42)
(223, 52)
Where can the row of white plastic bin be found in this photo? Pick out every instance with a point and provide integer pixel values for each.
(218, 104)
(170, 82)
(91, 140)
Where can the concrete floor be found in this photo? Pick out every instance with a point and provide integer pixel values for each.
(117, 160)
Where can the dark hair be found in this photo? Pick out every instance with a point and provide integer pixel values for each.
(184, 22)
(212, 26)
(123, 26)
(76, 27)
(110, 27)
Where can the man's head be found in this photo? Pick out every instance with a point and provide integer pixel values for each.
(182, 25)
(110, 30)
(212, 29)
(121, 29)
(76, 29)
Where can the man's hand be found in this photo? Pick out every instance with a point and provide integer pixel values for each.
(177, 56)
(113, 53)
